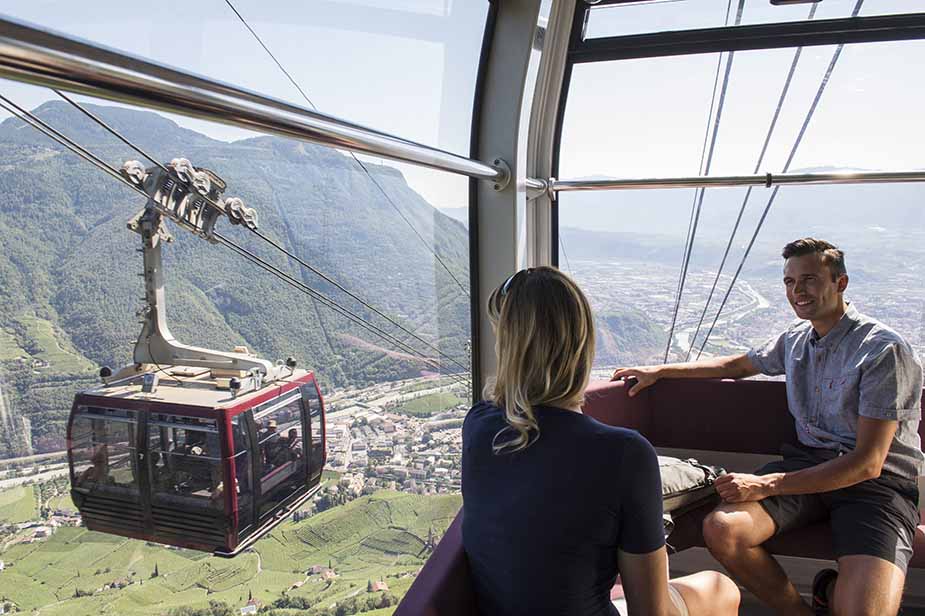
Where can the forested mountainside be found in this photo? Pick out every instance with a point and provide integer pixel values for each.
(69, 283)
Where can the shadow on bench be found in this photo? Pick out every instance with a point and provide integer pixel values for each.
(746, 417)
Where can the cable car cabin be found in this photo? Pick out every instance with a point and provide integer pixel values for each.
(185, 460)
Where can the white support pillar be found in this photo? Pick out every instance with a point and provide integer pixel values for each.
(499, 241)
(541, 140)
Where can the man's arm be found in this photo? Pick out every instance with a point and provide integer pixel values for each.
(729, 367)
(865, 462)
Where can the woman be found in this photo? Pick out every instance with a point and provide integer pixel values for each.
(555, 503)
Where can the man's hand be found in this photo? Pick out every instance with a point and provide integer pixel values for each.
(644, 375)
(742, 487)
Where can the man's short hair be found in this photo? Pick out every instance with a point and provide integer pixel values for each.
(831, 256)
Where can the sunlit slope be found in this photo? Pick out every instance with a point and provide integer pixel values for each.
(380, 536)
(69, 283)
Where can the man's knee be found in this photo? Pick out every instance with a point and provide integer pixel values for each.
(723, 533)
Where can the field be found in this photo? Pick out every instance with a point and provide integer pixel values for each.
(423, 384)
(427, 405)
(61, 358)
(17, 505)
(387, 536)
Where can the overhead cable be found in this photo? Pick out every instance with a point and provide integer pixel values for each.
(705, 170)
(793, 151)
(265, 237)
(112, 131)
(375, 182)
(332, 305)
(748, 193)
(49, 131)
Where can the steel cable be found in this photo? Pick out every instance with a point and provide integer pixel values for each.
(705, 170)
(793, 151)
(332, 305)
(352, 155)
(748, 193)
(266, 238)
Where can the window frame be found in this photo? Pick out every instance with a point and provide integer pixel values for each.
(846, 30)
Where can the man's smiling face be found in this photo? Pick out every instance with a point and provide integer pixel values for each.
(811, 289)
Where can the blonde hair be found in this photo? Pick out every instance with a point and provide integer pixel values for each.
(544, 346)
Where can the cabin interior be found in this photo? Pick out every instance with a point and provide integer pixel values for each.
(538, 67)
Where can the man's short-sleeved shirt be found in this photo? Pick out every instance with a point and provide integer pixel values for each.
(542, 526)
(861, 368)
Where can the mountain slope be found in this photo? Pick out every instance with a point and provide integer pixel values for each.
(69, 279)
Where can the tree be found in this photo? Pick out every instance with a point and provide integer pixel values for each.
(155, 573)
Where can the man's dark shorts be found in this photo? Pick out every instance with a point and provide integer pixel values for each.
(877, 517)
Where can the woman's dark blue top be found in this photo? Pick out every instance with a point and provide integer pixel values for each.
(542, 526)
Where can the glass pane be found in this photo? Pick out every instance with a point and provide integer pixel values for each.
(343, 55)
(104, 449)
(244, 476)
(393, 235)
(659, 136)
(281, 450)
(185, 461)
(316, 424)
(625, 247)
(670, 15)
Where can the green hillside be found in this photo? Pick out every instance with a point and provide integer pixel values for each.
(626, 336)
(69, 279)
(382, 536)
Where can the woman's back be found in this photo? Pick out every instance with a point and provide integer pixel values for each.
(542, 525)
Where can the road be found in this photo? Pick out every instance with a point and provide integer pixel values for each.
(16, 481)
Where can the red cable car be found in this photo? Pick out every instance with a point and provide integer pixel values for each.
(191, 464)
(188, 446)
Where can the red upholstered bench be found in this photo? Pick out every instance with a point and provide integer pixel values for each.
(717, 415)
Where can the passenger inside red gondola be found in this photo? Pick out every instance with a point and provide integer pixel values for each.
(542, 534)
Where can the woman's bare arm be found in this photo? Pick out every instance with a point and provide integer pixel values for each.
(645, 583)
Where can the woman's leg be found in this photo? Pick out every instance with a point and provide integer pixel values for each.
(708, 593)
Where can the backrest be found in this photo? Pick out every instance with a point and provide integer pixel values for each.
(746, 416)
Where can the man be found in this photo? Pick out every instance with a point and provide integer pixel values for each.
(854, 387)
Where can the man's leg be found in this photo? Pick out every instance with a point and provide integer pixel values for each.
(734, 534)
(867, 586)
(873, 529)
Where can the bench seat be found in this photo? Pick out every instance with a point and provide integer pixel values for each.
(718, 415)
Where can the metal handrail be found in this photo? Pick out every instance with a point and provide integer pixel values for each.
(768, 180)
(43, 57)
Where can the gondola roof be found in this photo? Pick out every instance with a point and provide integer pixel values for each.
(194, 387)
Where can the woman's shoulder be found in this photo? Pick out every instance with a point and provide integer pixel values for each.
(611, 439)
(616, 433)
(482, 412)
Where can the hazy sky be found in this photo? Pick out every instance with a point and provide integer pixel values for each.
(408, 67)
